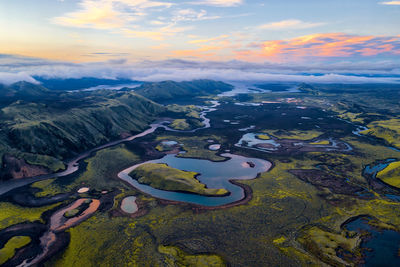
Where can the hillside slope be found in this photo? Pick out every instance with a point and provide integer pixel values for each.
(159, 91)
(45, 132)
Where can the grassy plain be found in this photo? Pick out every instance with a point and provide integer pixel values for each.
(13, 214)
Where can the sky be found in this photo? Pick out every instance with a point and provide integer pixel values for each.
(270, 36)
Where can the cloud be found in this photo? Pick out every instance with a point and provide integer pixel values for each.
(219, 3)
(391, 3)
(9, 78)
(322, 46)
(229, 71)
(126, 17)
(191, 15)
(108, 14)
(290, 24)
(231, 75)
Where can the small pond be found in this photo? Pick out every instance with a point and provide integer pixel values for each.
(250, 140)
(129, 205)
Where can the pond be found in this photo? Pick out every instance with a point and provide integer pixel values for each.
(212, 174)
(129, 205)
(250, 140)
(214, 147)
(381, 248)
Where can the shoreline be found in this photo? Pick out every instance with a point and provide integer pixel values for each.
(72, 165)
(248, 195)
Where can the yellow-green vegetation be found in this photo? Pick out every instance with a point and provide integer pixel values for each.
(282, 208)
(295, 134)
(189, 110)
(197, 146)
(47, 188)
(180, 124)
(351, 166)
(51, 163)
(282, 190)
(322, 142)
(324, 244)
(12, 214)
(165, 146)
(177, 257)
(194, 114)
(71, 213)
(263, 137)
(9, 249)
(391, 174)
(389, 130)
(343, 111)
(102, 169)
(161, 176)
(280, 240)
(281, 204)
(354, 117)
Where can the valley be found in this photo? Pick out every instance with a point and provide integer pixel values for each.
(288, 175)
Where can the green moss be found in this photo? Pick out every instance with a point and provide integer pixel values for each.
(263, 137)
(294, 134)
(391, 174)
(180, 124)
(324, 245)
(71, 213)
(322, 142)
(193, 114)
(176, 257)
(9, 249)
(121, 243)
(103, 168)
(389, 130)
(47, 188)
(51, 163)
(354, 117)
(12, 214)
(161, 176)
(279, 240)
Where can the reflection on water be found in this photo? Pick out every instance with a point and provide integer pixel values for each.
(129, 205)
(212, 174)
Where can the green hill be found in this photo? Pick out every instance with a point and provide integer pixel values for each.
(54, 127)
(23, 91)
(159, 91)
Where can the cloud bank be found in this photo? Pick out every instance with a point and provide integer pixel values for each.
(10, 78)
(15, 68)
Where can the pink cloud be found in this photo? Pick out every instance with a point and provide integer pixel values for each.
(327, 45)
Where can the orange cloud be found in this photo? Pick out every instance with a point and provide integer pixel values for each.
(322, 46)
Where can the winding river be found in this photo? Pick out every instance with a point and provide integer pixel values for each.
(73, 165)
